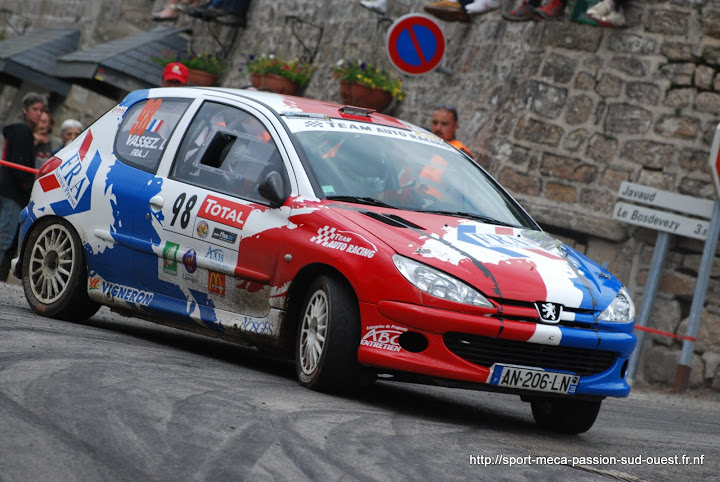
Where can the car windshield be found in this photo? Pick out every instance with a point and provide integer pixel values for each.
(403, 169)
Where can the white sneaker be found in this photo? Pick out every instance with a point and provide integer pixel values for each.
(601, 10)
(613, 19)
(378, 6)
(478, 7)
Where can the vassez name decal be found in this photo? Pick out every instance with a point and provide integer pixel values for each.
(144, 144)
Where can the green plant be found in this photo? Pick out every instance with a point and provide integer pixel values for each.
(205, 61)
(368, 75)
(294, 70)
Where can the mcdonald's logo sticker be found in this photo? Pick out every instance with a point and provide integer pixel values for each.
(216, 283)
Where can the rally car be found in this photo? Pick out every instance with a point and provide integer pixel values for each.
(359, 244)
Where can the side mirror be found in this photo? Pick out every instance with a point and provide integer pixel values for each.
(272, 188)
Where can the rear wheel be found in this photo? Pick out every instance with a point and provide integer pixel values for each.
(565, 416)
(328, 337)
(54, 272)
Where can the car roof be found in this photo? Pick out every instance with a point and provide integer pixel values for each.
(288, 105)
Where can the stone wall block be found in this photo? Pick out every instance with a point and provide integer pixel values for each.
(708, 102)
(697, 187)
(542, 98)
(598, 200)
(632, 66)
(631, 43)
(610, 85)
(661, 366)
(651, 154)
(681, 127)
(573, 36)
(585, 81)
(517, 182)
(711, 23)
(559, 68)
(679, 74)
(693, 160)
(667, 22)
(691, 262)
(557, 192)
(575, 139)
(533, 130)
(712, 362)
(602, 148)
(644, 93)
(676, 51)
(708, 335)
(704, 77)
(578, 110)
(567, 168)
(666, 316)
(627, 119)
(612, 178)
(680, 97)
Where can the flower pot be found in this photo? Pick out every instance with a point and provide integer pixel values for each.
(273, 83)
(361, 96)
(201, 78)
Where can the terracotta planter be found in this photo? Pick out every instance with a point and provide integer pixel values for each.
(273, 83)
(361, 96)
(201, 78)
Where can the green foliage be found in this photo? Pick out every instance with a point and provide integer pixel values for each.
(205, 61)
(297, 72)
(368, 75)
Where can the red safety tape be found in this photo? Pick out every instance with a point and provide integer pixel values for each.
(665, 333)
(19, 166)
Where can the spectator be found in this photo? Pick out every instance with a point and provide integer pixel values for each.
(43, 147)
(531, 10)
(608, 13)
(175, 75)
(170, 12)
(444, 124)
(462, 10)
(15, 185)
(69, 130)
(226, 12)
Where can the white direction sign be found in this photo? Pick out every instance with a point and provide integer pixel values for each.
(661, 220)
(665, 199)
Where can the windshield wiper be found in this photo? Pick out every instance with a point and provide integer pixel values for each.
(361, 200)
(476, 217)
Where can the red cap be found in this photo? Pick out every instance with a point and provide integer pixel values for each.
(176, 71)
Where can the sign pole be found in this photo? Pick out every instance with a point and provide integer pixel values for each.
(682, 376)
(662, 245)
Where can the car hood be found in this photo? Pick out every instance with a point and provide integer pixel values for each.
(504, 263)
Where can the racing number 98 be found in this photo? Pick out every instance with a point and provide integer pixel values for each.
(178, 206)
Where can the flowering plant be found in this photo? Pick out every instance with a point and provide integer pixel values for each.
(205, 61)
(294, 70)
(368, 75)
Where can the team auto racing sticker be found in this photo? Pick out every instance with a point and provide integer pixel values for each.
(345, 241)
(384, 337)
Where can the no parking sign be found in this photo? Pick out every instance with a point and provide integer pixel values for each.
(415, 44)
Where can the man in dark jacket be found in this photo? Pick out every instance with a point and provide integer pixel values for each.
(15, 184)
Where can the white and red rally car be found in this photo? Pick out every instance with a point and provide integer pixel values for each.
(359, 243)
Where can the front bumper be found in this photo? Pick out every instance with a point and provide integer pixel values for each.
(598, 357)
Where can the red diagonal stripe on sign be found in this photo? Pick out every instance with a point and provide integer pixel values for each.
(49, 182)
(85, 145)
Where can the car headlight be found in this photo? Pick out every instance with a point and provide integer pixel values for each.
(621, 310)
(437, 283)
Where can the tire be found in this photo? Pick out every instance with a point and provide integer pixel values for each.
(54, 272)
(328, 337)
(565, 416)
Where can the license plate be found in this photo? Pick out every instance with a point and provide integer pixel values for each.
(534, 379)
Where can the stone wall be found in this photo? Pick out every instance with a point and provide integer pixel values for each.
(561, 113)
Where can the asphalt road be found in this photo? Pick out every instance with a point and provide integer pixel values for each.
(121, 399)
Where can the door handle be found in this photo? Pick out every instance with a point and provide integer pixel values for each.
(157, 202)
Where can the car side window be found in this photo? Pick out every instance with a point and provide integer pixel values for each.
(227, 150)
(145, 131)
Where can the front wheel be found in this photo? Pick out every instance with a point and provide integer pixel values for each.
(565, 416)
(53, 272)
(328, 337)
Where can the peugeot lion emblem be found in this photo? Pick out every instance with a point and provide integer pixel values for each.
(549, 312)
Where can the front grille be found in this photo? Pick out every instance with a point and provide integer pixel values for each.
(485, 351)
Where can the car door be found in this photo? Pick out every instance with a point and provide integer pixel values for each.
(220, 239)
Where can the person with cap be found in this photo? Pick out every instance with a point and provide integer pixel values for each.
(444, 123)
(175, 75)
